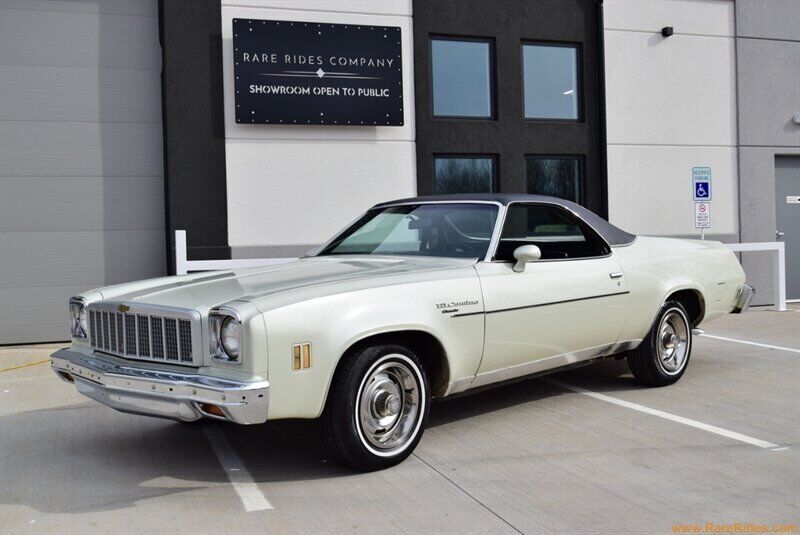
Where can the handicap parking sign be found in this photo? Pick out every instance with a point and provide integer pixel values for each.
(701, 181)
(702, 191)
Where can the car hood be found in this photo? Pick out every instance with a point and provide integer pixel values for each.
(210, 289)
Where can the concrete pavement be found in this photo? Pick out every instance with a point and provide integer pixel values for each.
(531, 457)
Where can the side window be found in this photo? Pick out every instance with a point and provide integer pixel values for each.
(558, 234)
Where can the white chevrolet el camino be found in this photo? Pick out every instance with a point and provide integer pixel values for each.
(417, 299)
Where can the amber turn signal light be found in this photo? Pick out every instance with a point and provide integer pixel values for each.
(214, 410)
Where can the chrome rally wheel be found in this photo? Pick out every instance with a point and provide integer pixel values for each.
(389, 404)
(673, 341)
(376, 408)
(663, 355)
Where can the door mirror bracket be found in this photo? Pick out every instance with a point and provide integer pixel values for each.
(525, 254)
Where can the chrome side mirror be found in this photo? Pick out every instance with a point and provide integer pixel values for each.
(525, 254)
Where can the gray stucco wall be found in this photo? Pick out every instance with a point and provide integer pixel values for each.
(768, 78)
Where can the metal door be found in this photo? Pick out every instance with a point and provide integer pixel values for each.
(787, 216)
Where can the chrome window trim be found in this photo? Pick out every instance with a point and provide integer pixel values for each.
(501, 209)
(490, 258)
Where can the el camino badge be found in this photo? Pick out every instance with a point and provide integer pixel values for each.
(452, 306)
(123, 308)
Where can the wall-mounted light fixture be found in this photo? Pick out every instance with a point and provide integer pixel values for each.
(666, 31)
(796, 119)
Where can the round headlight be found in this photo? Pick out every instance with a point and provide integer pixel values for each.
(229, 334)
(83, 319)
(78, 322)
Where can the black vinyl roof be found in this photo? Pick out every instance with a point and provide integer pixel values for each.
(613, 235)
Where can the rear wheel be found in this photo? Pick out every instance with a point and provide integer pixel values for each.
(662, 357)
(377, 407)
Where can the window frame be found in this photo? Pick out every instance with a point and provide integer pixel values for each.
(581, 158)
(585, 227)
(578, 46)
(469, 156)
(492, 74)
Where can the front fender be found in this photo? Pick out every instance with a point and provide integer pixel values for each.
(334, 323)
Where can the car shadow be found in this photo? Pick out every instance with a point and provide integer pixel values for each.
(86, 457)
(603, 376)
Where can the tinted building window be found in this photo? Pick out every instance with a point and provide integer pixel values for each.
(462, 79)
(551, 82)
(554, 176)
(464, 174)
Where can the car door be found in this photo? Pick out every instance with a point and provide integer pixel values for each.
(566, 307)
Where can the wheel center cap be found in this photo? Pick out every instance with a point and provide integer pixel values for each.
(392, 405)
(387, 404)
(670, 340)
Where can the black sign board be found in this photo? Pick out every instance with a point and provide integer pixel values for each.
(290, 72)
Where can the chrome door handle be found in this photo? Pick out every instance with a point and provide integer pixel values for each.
(779, 234)
(616, 275)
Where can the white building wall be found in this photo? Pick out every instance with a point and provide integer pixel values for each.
(290, 187)
(671, 106)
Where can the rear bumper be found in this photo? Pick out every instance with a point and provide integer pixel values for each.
(150, 392)
(743, 300)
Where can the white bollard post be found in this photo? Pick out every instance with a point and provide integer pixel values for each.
(780, 277)
(180, 253)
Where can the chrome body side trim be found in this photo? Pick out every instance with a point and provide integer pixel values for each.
(542, 365)
(173, 395)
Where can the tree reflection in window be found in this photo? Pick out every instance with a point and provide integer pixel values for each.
(464, 175)
(555, 176)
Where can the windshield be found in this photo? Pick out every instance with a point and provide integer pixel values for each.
(448, 229)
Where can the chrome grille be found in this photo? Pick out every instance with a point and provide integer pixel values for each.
(158, 338)
(104, 332)
(93, 329)
(185, 333)
(171, 339)
(145, 332)
(130, 334)
(113, 334)
(120, 333)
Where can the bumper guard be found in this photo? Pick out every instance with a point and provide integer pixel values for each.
(743, 300)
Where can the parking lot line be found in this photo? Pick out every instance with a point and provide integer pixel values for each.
(667, 416)
(240, 478)
(768, 346)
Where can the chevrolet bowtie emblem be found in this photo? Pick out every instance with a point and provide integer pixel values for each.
(123, 308)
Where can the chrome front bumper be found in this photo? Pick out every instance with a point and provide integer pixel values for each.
(177, 396)
(743, 300)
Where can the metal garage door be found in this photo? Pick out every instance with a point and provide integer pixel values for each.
(81, 168)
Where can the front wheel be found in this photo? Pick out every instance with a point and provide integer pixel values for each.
(662, 357)
(377, 407)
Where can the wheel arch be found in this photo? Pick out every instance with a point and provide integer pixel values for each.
(692, 300)
(424, 344)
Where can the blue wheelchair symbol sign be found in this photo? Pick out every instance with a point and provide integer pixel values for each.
(702, 190)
